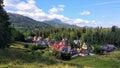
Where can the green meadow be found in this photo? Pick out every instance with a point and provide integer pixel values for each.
(17, 56)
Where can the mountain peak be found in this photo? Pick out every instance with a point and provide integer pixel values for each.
(57, 20)
(59, 24)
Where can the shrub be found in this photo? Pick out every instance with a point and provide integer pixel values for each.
(66, 56)
(26, 46)
(55, 52)
(98, 50)
(37, 47)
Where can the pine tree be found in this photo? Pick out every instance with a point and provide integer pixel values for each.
(5, 30)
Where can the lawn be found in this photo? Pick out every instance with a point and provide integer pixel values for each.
(19, 57)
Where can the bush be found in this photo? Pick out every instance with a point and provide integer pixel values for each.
(26, 46)
(66, 56)
(37, 47)
(34, 48)
(98, 50)
(53, 52)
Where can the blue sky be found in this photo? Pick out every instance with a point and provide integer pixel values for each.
(105, 13)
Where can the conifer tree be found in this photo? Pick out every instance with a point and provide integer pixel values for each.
(5, 30)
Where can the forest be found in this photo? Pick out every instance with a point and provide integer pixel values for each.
(99, 35)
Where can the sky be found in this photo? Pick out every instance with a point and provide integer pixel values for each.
(105, 13)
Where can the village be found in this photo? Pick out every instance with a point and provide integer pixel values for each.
(65, 50)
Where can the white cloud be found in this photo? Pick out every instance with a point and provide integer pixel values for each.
(55, 10)
(85, 13)
(92, 23)
(30, 9)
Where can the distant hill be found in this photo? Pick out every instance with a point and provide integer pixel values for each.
(59, 24)
(21, 21)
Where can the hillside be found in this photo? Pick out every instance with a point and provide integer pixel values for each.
(21, 21)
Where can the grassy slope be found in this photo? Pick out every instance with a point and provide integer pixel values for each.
(19, 57)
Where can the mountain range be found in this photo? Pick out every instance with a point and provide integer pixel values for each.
(59, 24)
(20, 21)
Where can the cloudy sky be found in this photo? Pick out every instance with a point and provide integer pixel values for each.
(93, 13)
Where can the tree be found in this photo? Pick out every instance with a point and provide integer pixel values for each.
(5, 28)
(114, 28)
(84, 30)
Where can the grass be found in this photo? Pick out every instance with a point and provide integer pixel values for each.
(19, 57)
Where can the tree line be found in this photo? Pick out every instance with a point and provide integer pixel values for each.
(97, 35)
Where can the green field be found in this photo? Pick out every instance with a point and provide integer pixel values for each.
(19, 57)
